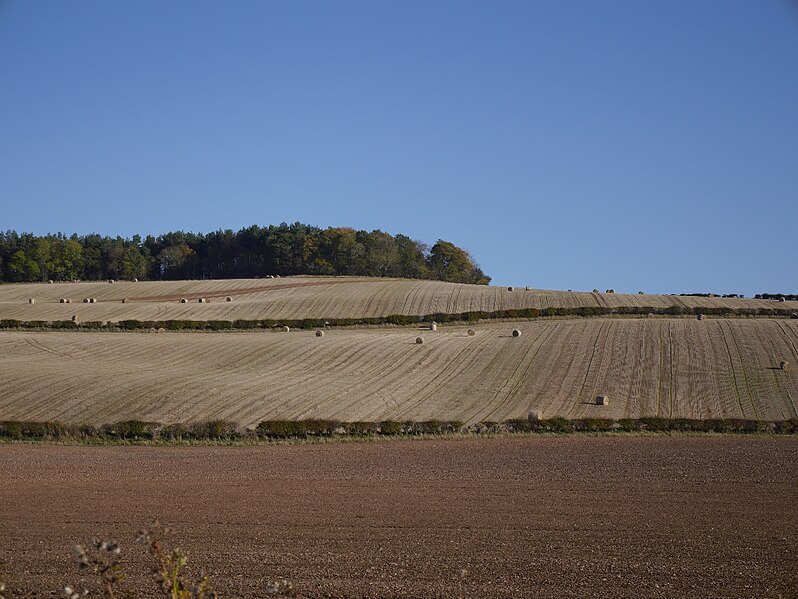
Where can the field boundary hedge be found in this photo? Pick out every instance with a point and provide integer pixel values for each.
(394, 319)
(222, 430)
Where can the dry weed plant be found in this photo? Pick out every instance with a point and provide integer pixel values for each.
(100, 568)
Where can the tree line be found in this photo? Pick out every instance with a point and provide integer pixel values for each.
(255, 251)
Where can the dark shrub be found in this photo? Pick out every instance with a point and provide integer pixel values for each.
(390, 427)
(559, 425)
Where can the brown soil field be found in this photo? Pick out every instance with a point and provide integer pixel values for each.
(671, 367)
(311, 297)
(538, 517)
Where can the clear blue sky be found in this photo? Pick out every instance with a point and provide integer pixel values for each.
(567, 145)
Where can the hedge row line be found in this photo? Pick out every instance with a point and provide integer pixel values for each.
(396, 319)
(221, 430)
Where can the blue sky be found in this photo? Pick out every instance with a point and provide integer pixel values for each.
(567, 145)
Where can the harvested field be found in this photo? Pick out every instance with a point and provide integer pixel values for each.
(314, 297)
(528, 517)
(716, 368)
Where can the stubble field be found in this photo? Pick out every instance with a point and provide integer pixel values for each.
(715, 368)
(313, 297)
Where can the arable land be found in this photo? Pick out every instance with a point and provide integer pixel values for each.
(317, 298)
(666, 367)
(571, 516)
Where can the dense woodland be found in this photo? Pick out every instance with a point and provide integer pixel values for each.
(255, 251)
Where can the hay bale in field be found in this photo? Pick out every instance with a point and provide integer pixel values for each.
(602, 400)
(535, 415)
(183, 300)
(794, 315)
(433, 326)
(51, 281)
(85, 300)
(286, 329)
(111, 281)
(162, 330)
(509, 289)
(92, 300)
(516, 333)
(784, 365)
(596, 291)
(229, 299)
(527, 288)
(62, 300)
(31, 301)
(699, 316)
(135, 280)
(471, 332)
(610, 290)
(200, 300)
(319, 333)
(640, 293)
(76, 319)
(781, 299)
(124, 300)
(419, 340)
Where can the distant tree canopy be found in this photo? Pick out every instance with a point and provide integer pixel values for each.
(255, 251)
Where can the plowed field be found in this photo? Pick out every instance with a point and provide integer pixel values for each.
(310, 297)
(648, 366)
(570, 517)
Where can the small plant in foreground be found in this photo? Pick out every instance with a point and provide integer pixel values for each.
(100, 560)
(169, 564)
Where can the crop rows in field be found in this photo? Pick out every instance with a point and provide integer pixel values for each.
(312, 297)
(715, 368)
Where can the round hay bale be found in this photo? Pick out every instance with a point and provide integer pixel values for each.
(319, 333)
(75, 318)
(183, 300)
(286, 329)
(31, 301)
(111, 281)
(527, 289)
(93, 300)
(602, 400)
(200, 300)
(162, 330)
(86, 300)
(229, 299)
(124, 300)
(419, 340)
(61, 300)
(781, 299)
(640, 293)
(699, 316)
(433, 326)
(610, 290)
(784, 365)
(794, 315)
(516, 333)
(535, 415)
(51, 281)
(135, 280)
(595, 291)
(509, 289)
(471, 332)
